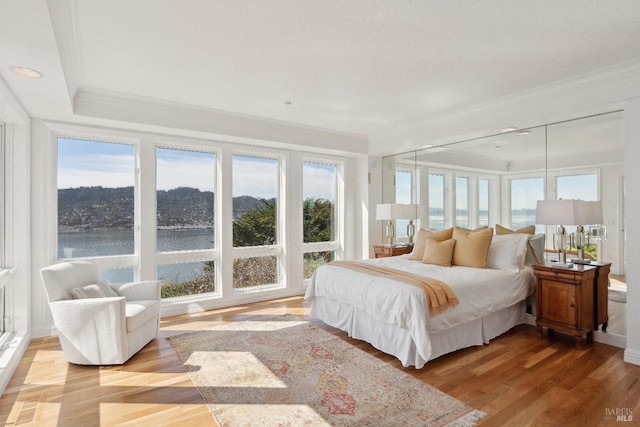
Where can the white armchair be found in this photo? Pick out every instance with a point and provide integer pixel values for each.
(109, 323)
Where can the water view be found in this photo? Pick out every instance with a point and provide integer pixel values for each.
(92, 243)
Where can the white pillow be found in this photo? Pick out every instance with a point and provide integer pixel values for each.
(507, 251)
(104, 287)
(88, 291)
(101, 289)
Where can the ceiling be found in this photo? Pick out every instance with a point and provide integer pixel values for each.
(354, 67)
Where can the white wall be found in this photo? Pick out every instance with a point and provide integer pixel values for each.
(632, 225)
(17, 277)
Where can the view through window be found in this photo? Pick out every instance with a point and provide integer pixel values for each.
(255, 221)
(95, 200)
(462, 202)
(319, 185)
(525, 193)
(436, 202)
(185, 182)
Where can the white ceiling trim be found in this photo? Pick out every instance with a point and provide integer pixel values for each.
(97, 103)
(584, 95)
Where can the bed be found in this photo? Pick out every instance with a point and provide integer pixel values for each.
(394, 317)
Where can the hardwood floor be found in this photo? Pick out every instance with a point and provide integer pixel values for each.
(518, 380)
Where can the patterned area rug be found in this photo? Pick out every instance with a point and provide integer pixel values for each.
(284, 371)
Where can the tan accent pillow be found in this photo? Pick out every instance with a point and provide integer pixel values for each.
(530, 229)
(438, 253)
(418, 249)
(471, 249)
(475, 229)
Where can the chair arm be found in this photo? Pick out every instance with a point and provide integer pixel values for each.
(92, 331)
(134, 291)
(80, 314)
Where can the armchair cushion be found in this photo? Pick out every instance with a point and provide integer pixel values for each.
(139, 312)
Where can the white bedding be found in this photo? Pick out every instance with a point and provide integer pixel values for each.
(394, 305)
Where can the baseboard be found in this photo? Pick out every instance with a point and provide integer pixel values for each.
(530, 319)
(10, 357)
(615, 340)
(632, 356)
(45, 331)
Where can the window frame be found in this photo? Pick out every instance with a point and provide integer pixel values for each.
(276, 249)
(336, 246)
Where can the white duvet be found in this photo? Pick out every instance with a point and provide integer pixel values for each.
(480, 292)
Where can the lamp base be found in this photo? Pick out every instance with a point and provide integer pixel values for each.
(580, 261)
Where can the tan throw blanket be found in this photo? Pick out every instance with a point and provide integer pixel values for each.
(439, 294)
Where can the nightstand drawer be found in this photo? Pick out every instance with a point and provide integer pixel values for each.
(382, 251)
(557, 273)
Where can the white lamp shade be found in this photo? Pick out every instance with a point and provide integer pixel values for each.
(389, 211)
(589, 213)
(568, 212)
(556, 212)
(408, 211)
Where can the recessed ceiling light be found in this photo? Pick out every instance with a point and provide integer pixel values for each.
(427, 146)
(523, 132)
(508, 129)
(26, 72)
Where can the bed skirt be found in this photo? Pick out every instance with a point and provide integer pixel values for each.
(398, 342)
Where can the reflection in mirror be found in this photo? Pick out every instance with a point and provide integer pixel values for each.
(400, 187)
(585, 160)
(497, 180)
(482, 182)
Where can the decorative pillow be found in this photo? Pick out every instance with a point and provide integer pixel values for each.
(88, 291)
(438, 253)
(529, 229)
(473, 230)
(535, 250)
(101, 289)
(418, 249)
(507, 251)
(471, 249)
(104, 287)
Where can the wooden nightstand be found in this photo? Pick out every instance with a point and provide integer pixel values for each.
(601, 290)
(382, 251)
(565, 300)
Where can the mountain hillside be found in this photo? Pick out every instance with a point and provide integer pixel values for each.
(99, 207)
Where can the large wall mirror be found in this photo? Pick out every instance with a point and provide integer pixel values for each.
(498, 180)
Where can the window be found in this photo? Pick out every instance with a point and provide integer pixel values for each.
(319, 214)
(525, 192)
(483, 202)
(206, 219)
(255, 221)
(462, 202)
(95, 198)
(404, 190)
(436, 202)
(185, 183)
(581, 187)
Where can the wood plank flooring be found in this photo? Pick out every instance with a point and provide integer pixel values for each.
(518, 379)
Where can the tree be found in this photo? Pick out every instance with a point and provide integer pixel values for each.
(257, 226)
(318, 220)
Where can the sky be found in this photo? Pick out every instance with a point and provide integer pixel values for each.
(86, 164)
